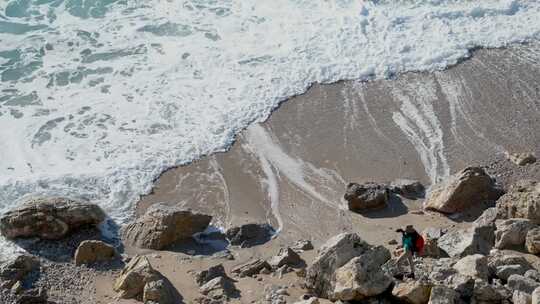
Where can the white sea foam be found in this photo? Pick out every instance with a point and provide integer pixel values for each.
(98, 99)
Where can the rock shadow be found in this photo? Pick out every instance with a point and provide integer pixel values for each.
(472, 213)
(395, 208)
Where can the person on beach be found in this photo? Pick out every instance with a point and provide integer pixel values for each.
(412, 243)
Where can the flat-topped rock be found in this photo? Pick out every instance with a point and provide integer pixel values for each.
(462, 190)
(93, 251)
(163, 225)
(49, 218)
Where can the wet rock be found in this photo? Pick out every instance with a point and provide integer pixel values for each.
(286, 256)
(49, 218)
(519, 297)
(303, 245)
(532, 241)
(249, 234)
(139, 280)
(362, 277)
(335, 253)
(521, 201)
(163, 225)
(366, 197)
(408, 188)
(463, 242)
(413, 292)
(203, 277)
(461, 190)
(521, 283)
(251, 268)
(92, 251)
(521, 159)
(475, 266)
(511, 233)
(443, 295)
(17, 269)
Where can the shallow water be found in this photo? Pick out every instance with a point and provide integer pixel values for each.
(98, 97)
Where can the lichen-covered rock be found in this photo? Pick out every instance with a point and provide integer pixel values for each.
(490, 293)
(366, 197)
(413, 292)
(92, 251)
(49, 218)
(521, 201)
(248, 235)
(511, 233)
(462, 190)
(163, 225)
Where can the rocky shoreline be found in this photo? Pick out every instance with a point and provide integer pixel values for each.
(495, 259)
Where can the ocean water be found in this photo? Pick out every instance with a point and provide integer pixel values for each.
(98, 97)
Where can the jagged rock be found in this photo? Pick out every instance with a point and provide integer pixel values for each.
(408, 188)
(462, 242)
(366, 197)
(413, 292)
(521, 201)
(521, 283)
(487, 218)
(431, 237)
(475, 266)
(511, 233)
(362, 276)
(249, 234)
(463, 284)
(92, 251)
(303, 245)
(535, 296)
(519, 297)
(163, 225)
(521, 159)
(49, 218)
(468, 187)
(286, 256)
(251, 268)
(17, 269)
(532, 241)
(219, 288)
(487, 293)
(203, 277)
(335, 253)
(443, 295)
(139, 280)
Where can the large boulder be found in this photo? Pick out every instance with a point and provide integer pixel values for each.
(49, 218)
(408, 188)
(366, 197)
(475, 266)
(443, 295)
(163, 225)
(532, 241)
(512, 233)
(413, 292)
(464, 189)
(16, 269)
(92, 251)
(248, 235)
(335, 253)
(503, 265)
(521, 201)
(463, 242)
(139, 280)
(362, 276)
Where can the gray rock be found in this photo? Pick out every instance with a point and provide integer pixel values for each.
(49, 218)
(251, 268)
(335, 253)
(521, 159)
(408, 188)
(92, 251)
(521, 201)
(533, 274)
(521, 283)
(158, 291)
(204, 276)
(413, 292)
(532, 240)
(460, 191)
(487, 218)
(505, 271)
(502, 264)
(463, 284)
(519, 297)
(366, 197)
(248, 235)
(163, 225)
(303, 245)
(286, 256)
(511, 233)
(535, 296)
(219, 288)
(443, 295)
(463, 242)
(475, 266)
(17, 269)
